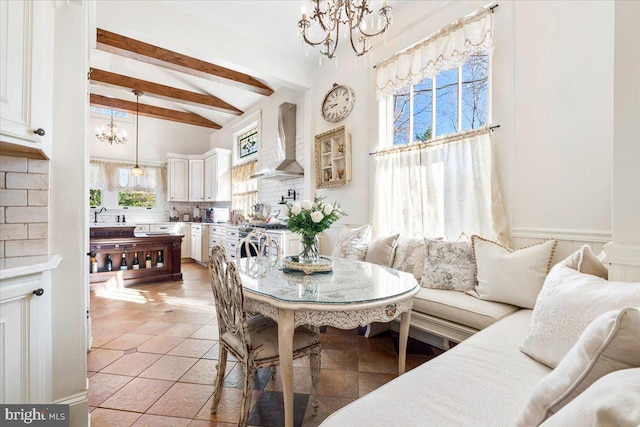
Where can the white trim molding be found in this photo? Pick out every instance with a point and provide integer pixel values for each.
(79, 398)
(562, 234)
(622, 254)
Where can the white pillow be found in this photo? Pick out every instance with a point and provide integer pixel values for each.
(585, 261)
(508, 276)
(380, 250)
(613, 400)
(610, 343)
(448, 265)
(568, 302)
(409, 256)
(352, 242)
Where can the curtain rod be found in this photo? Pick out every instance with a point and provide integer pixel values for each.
(439, 141)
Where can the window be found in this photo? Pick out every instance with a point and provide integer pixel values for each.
(460, 102)
(248, 144)
(137, 199)
(95, 198)
(107, 112)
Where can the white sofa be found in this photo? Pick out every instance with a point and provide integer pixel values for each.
(483, 381)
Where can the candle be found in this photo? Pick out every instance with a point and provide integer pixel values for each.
(304, 13)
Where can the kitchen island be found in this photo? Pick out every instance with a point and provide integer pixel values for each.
(120, 242)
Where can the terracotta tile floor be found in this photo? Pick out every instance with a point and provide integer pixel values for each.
(156, 349)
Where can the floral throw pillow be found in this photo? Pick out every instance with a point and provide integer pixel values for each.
(448, 265)
(409, 256)
(353, 242)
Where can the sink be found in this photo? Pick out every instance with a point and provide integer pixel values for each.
(110, 224)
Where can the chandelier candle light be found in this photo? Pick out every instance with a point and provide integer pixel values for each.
(330, 14)
(112, 136)
(136, 171)
(309, 219)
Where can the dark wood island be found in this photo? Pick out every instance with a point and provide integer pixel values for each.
(118, 240)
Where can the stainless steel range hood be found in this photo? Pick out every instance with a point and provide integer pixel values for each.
(288, 167)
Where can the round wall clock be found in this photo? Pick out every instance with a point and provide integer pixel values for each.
(338, 103)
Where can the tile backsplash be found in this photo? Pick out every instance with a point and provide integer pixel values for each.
(142, 216)
(24, 207)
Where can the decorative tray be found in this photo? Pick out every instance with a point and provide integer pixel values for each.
(324, 265)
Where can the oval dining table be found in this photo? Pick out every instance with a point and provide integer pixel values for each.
(353, 294)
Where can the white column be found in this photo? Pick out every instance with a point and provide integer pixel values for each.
(624, 251)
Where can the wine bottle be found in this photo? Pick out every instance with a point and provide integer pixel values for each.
(109, 263)
(123, 262)
(136, 261)
(160, 260)
(147, 261)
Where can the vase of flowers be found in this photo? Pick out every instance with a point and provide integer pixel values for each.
(309, 219)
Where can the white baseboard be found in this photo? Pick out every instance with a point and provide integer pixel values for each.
(75, 399)
(421, 336)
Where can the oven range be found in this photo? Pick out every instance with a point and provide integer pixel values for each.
(288, 241)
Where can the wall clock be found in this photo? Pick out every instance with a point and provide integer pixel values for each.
(338, 103)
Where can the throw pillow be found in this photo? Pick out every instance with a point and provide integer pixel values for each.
(409, 256)
(585, 261)
(352, 242)
(568, 302)
(610, 343)
(613, 400)
(448, 265)
(510, 276)
(381, 250)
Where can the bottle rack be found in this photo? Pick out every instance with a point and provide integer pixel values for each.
(169, 245)
(333, 158)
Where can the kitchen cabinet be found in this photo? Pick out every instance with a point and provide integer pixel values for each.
(196, 180)
(196, 242)
(205, 244)
(178, 179)
(25, 341)
(289, 242)
(26, 52)
(185, 229)
(217, 175)
(232, 237)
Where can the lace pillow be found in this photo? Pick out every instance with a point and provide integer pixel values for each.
(409, 256)
(568, 302)
(510, 276)
(448, 265)
(610, 343)
(352, 242)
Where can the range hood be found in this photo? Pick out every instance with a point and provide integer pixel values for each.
(287, 167)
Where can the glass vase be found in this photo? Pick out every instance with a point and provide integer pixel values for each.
(310, 252)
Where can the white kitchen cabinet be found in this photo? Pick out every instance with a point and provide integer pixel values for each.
(289, 242)
(196, 242)
(217, 175)
(196, 180)
(205, 244)
(232, 237)
(26, 52)
(178, 179)
(25, 338)
(185, 249)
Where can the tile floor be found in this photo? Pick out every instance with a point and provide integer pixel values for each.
(155, 350)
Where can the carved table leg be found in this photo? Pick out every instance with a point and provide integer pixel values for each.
(285, 348)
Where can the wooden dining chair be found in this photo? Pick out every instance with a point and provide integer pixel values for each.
(252, 340)
(257, 254)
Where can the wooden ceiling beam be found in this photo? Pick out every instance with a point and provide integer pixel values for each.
(145, 52)
(159, 91)
(152, 111)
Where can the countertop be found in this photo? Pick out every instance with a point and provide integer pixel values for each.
(23, 266)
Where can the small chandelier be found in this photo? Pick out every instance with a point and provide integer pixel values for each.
(136, 171)
(111, 136)
(330, 14)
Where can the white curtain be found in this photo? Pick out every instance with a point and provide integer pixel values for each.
(440, 189)
(446, 49)
(244, 189)
(115, 176)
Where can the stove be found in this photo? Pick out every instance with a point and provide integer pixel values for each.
(247, 228)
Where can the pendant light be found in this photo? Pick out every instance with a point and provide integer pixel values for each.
(136, 171)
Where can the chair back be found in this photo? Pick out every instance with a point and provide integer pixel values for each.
(229, 298)
(257, 254)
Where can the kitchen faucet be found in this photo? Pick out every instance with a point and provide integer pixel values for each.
(95, 214)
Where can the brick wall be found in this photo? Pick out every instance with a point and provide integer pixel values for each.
(24, 207)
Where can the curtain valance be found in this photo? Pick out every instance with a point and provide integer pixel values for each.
(114, 176)
(446, 49)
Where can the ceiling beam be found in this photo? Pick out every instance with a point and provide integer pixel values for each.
(159, 91)
(145, 52)
(152, 111)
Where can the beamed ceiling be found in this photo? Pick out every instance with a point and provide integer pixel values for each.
(115, 89)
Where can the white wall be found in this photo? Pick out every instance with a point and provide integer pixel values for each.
(552, 96)
(157, 138)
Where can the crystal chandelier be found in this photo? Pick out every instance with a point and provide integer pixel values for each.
(111, 136)
(330, 14)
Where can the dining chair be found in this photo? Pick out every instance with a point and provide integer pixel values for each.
(253, 340)
(257, 254)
